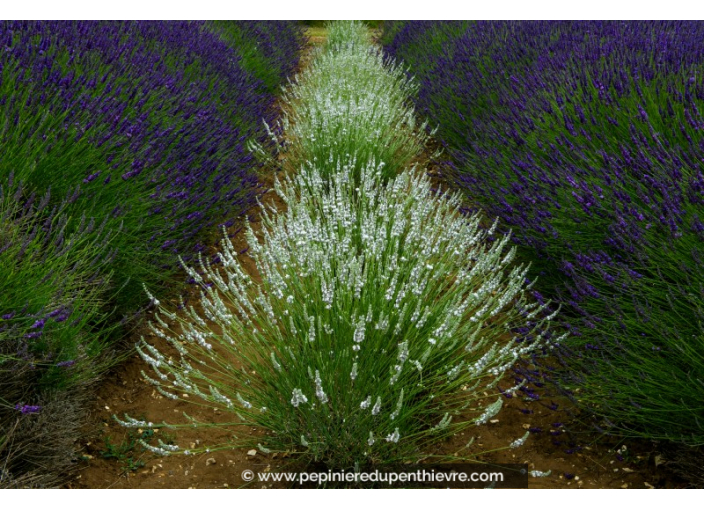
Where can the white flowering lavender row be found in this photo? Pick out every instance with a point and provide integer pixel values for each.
(382, 312)
(352, 104)
(382, 315)
(345, 34)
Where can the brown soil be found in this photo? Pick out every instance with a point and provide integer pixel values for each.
(576, 457)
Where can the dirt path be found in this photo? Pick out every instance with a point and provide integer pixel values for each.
(559, 443)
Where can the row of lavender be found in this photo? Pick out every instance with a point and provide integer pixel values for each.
(123, 147)
(366, 337)
(586, 139)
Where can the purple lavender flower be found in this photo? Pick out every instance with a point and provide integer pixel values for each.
(38, 324)
(27, 409)
(91, 177)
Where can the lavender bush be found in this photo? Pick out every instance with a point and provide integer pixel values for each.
(54, 271)
(352, 104)
(382, 319)
(269, 49)
(345, 35)
(145, 122)
(129, 138)
(586, 139)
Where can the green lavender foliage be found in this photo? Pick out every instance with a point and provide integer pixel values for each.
(389, 31)
(268, 49)
(55, 270)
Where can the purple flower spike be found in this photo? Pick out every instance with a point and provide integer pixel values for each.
(39, 324)
(91, 177)
(27, 409)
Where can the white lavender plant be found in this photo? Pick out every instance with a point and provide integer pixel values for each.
(352, 104)
(345, 34)
(382, 312)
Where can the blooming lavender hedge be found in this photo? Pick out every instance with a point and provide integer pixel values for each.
(138, 128)
(146, 122)
(129, 140)
(586, 138)
(269, 49)
(351, 105)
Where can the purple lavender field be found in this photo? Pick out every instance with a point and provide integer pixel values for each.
(586, 140)
(123, 149)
